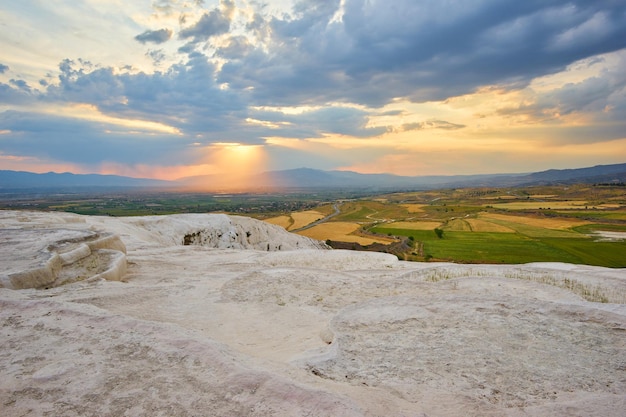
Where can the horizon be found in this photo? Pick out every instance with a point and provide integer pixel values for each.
(322, 170)
(168, 90)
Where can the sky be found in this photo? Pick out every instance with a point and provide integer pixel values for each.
(174, 88)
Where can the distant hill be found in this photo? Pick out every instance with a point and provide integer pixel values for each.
(309, 179)
(20, 180)
(312, 178)
(596, 174)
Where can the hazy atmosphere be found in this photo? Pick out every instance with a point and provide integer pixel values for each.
(168, 89)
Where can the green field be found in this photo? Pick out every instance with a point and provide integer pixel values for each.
(512, 248)
(474, 229)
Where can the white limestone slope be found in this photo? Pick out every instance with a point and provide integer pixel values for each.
(46, 250)
(249, 320)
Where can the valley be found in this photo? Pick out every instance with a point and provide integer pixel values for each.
(576, 223)
(583, 224)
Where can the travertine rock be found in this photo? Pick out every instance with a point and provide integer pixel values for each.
(222, 327)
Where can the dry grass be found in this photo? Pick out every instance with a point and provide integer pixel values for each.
(341, 231)
(282, 221)
(303, 218)
(414, 208)
(413, 225)
(479, 225)
(458, 225)
(536, 222)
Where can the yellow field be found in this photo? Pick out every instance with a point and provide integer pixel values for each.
(302, 218)
(530, 221)
(341, 231)
(413, 225)
(282, 221)
(413, 208)
(479, 225)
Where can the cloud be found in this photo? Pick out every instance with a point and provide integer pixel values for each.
(154, 36)
(17, 92)
(595, 29)
(432, 124)
(157, 56)
(185, 97)
(210, 24)
(419, 50)
(354, 69)
(21, 85)
(319, 122)
(600, 97)
(237, 47)
(65, 138)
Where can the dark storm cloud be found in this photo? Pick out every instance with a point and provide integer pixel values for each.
(154, 36)
(422, 50)
(210, 24)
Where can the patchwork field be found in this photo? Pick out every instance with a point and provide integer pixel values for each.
(342, 231)
(482, 225)
(546, 223)
(424, 225)
(296, 220)
(550, 205)
(549, 224)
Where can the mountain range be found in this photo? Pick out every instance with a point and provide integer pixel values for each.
(307, 179)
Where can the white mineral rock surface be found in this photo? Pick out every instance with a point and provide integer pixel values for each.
(211, 315)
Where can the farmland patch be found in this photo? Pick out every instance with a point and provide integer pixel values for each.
(547, 223)
(480, 225)
(425, 225)
(342, 231)
(303, 218)
(414, 208)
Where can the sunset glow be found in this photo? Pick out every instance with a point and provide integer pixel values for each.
(233, 88)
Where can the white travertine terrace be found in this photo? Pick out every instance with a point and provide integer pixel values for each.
(215, 315)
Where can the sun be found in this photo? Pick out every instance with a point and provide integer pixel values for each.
(233, 165)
